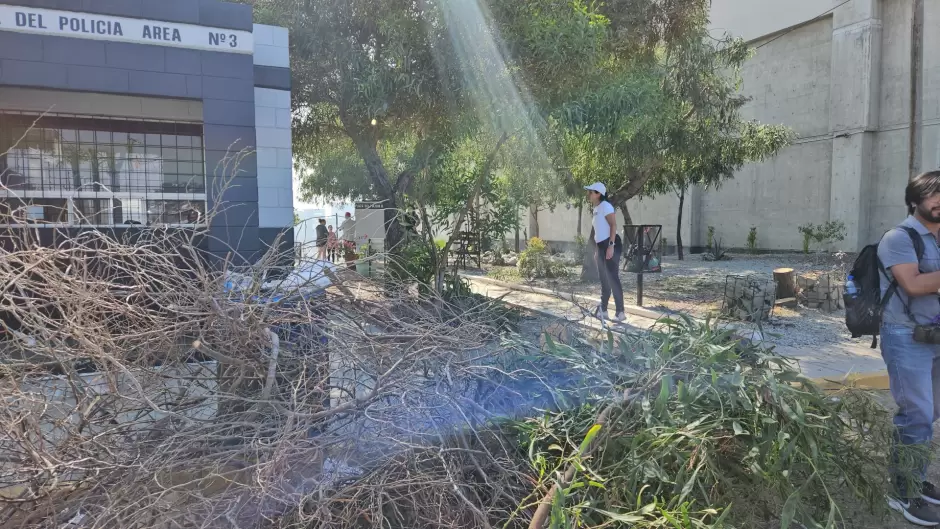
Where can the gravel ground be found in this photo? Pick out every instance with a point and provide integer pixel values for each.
(695, 287)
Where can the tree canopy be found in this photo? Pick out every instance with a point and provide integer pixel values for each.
(630, 92)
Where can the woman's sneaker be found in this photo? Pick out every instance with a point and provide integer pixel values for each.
(620, 317)
(600, 313)
(917, 511)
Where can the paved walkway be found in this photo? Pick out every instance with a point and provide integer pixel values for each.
(832, 362)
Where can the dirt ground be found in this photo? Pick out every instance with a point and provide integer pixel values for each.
(696, 287)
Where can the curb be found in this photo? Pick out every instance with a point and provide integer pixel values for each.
(876, 381)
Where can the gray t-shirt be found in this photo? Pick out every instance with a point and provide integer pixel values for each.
(348, 227)
(897, 248)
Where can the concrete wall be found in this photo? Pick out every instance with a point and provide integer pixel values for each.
(753, 19)
(788, 82)
(840, 75)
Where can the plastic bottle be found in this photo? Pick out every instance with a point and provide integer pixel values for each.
(850, 287)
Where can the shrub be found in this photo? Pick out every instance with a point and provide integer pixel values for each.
(716, 252)
(709, 236)
(509, 275)
(580, 243)
(822, 234)
(536, 262)
(701, 427)
(752, 240)
(413, 263)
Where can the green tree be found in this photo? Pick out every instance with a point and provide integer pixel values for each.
(449, 194)
(607, 78)
(669, 119)
(712, 141)
(374, 88)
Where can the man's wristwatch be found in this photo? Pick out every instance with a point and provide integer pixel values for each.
(610, 243)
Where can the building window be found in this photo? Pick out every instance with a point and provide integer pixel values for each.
(85, 171)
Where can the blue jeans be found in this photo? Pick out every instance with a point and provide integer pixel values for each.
(914, 375)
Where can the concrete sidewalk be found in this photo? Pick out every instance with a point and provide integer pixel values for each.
(831, 365)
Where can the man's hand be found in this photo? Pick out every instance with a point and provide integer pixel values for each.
(610, 253)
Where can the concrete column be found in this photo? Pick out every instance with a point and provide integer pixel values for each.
(854, 98)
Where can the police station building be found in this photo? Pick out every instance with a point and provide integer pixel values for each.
(121, 114)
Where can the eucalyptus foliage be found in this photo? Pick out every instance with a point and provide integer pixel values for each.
(686, 427)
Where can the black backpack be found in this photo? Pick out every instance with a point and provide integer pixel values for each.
(864, 309)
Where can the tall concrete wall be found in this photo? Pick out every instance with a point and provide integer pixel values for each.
(755, 19)
(848, 78)
(788, 81)
(892, 147)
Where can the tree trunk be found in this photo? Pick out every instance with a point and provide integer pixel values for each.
(534, 221)
(589, 270)
(679, 225)
(786, 283)
(580, 212)
(368, 150)
(627, 219)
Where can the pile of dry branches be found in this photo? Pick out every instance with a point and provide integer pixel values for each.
(145, 387)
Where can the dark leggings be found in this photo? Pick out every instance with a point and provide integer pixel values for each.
(609, 271)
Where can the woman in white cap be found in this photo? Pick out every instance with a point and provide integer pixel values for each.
(608, 251)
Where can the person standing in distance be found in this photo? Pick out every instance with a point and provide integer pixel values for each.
(609, 248)
(322, 236)
(348, 227)
(332, 245)
(913, 367)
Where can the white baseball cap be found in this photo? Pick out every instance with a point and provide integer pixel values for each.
(598, 187)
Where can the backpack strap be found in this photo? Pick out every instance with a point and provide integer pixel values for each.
(893, 288)
(918, 242)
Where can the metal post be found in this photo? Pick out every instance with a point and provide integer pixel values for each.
(639, 290)
(639, 275)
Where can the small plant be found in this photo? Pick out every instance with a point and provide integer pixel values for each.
(716, 252)
(709, 236)
(413, 264)
(499, 257)
(535, 262)
(349, 250)
(808, 231)
(822, 234)
(580, 243)
(663, 245)
(365, 249)
(507, 274)
(752, 240)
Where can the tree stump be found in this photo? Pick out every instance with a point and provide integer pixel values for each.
(786, 283)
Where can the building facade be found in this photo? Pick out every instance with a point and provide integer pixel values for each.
(123, 114)
(853, 79)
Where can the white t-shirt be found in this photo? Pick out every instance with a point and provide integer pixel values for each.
(601, 227)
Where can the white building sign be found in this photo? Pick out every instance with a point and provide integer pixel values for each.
(120, 29)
